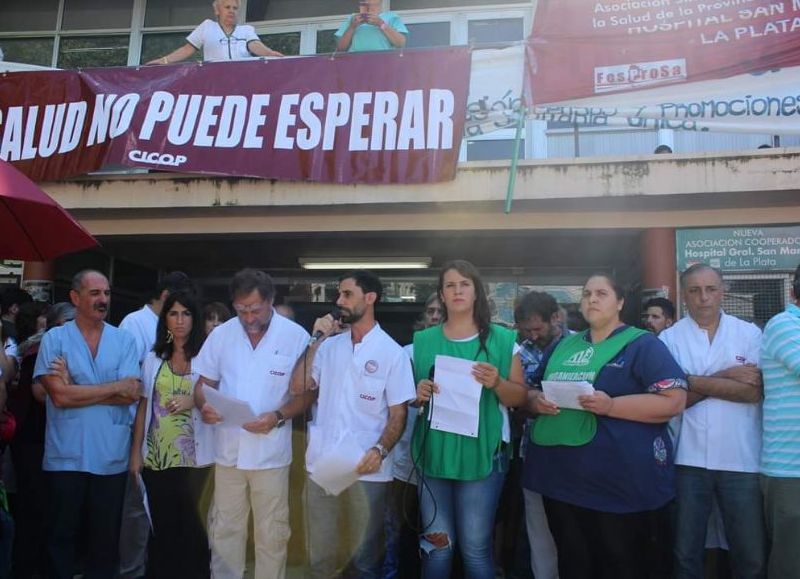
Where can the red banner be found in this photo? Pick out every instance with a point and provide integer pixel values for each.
(582, 48)
(386, 117)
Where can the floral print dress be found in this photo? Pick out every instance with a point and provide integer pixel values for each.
(170, 438)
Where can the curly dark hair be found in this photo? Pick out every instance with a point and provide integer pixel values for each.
(164, 348)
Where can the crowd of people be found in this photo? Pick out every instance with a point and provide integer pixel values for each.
(629, 436)
(144, 450)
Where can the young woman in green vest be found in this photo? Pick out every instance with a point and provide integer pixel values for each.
(606, 472)
(462, 476)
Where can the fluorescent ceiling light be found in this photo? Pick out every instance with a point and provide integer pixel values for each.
(343, 263)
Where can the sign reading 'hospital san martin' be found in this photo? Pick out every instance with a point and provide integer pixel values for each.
(740, 249)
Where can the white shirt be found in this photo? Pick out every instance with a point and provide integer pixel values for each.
(258, 376)
(11, 350)
(357, 385)
(216, 45)
(142, 324)
(717, 434)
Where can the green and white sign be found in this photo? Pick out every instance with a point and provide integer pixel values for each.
(740, 249)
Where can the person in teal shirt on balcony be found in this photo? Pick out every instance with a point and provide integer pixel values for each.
(370, 29)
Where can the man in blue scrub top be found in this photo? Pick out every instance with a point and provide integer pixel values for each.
(90, 370)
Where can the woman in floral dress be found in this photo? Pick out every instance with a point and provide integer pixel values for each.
(171, 445)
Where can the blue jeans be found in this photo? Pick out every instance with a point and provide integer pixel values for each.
(465, 512)
(740, 502)
(363, 506)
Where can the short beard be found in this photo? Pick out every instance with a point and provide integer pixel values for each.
(255, 328)
(352, 317)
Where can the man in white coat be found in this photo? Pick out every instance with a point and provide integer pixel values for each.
(250, 358)
(719, 443)
(363, 380)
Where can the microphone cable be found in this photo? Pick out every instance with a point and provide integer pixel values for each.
(418, 468)
(336, 314)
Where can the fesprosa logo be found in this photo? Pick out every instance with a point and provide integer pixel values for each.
(581, 358)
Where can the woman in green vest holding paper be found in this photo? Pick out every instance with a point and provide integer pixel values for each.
(605, 468)
(462, 470)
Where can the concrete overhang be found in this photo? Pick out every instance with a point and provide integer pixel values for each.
(648, 191)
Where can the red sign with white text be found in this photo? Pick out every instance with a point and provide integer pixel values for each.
(583, 48)
(381, 117)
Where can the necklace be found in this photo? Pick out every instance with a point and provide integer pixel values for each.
(179, 378)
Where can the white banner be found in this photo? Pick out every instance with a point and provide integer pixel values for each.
(748, 103)
(495, 90)
(768, 102)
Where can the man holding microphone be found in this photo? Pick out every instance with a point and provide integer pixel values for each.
(362, 380)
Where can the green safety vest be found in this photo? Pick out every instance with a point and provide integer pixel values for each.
(575, 360)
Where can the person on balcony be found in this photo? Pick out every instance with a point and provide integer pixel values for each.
(220, 39)
(370, 29)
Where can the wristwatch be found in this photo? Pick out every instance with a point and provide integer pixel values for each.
(381, 450)
(281, 419)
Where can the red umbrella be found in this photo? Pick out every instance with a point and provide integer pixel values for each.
(33, 226)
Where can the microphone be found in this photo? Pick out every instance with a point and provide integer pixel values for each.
(336, 314)
(422, 406)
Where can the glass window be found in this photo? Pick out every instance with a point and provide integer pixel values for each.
(326, 41)
(496, 30)
(92, 14)
(157, 45)
(87, 51)
(282, 9)
(177, 12)
(428, 34)
(755, 300)
(422, 4)
(287, 43)
(28, 50)
(490, 150)
(17, 16)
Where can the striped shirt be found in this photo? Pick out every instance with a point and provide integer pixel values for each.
(780, 359)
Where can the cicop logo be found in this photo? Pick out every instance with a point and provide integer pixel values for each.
(581, 358)
(157, 158)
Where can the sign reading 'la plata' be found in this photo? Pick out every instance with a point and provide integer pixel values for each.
(740, 249)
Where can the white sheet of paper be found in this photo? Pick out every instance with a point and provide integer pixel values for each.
(234, 412)
(336, 470)
(456, 408)
(145, 501)
(565, 394)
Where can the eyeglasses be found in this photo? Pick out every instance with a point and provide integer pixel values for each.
(432, 311)
(251, 309)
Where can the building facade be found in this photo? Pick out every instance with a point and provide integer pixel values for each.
(586, 199)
